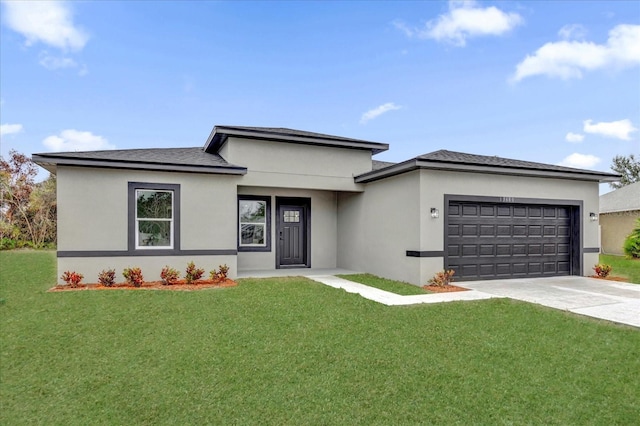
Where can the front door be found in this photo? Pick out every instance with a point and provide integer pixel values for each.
(292, 233)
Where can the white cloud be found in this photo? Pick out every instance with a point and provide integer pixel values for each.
(10, 129)
(574, 137)
(620, 129)
(572, 32)
(48, 22)
(580, 161)
(75, 140)
(378, 111)
(568, 59)
(54, 62)
(465, 20)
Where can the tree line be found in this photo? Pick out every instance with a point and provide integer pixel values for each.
(28, 209)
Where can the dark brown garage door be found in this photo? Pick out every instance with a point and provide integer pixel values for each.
(491, 240)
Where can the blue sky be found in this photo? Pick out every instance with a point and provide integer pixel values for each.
(553, 82)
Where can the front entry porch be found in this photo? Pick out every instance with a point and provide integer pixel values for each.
(294, 272)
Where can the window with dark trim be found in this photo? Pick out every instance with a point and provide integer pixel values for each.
(154, 217)
(254, 223)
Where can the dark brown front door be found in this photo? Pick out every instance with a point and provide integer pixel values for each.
(292, 233)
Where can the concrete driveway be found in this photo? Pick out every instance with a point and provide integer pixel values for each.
(610, 300)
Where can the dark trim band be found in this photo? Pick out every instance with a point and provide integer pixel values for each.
(434, 253)
(591, 250)
(126, 253)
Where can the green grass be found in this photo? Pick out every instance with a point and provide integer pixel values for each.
(291, 351)
(623, 267)
(397, 287)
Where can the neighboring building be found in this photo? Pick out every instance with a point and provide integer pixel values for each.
(270, 198)
(619, 211)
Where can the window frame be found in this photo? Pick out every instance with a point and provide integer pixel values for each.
(133, 220)
(267, 231)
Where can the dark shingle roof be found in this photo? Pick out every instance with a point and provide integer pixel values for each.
(377, 165)
(622, 199)
(460, 161)
(487, 160)
(219, 135)
(178, 159)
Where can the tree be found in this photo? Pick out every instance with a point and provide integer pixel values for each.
(27, 210)
(628, 168)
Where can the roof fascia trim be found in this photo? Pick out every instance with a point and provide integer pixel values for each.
(219, 136)
(513, 171)
(233, 170)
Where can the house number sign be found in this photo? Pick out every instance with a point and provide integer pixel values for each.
(507, 199)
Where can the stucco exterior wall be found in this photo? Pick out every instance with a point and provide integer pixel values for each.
(93, 216)
(151, 266)
(435, 184)
(323, 228)
(286, 165)
(614, 229)
(377, 227)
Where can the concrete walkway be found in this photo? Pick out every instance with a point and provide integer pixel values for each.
(392, 299)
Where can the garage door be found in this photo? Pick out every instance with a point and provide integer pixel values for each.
(499, 240)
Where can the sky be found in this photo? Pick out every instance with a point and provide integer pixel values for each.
(551, 82)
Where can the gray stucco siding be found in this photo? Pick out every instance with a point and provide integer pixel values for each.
(93, 215)
(285, 165)
(393, 216)
(323, 228)
(435, 184)
(377, 227)
(151, 266)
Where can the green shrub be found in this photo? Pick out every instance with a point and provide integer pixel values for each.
(192, 273)
(602, 270)
(8, 244)
(631, 244)
(133, 276)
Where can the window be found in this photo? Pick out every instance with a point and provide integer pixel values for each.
(154, 216)
(254, 223)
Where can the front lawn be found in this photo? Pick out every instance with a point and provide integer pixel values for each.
(623, 267)
(291, 351)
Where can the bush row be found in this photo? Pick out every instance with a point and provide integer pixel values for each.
(134, 277)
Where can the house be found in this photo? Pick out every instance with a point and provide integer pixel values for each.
(619, 211)
(268, 198)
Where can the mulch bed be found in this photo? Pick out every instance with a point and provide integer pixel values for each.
(610, 278)
(444, 289)
(181, 285)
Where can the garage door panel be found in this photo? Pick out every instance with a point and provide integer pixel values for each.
(453, 230)
(470, 210)
(470, 230)
(494, 240)
(470, 250)
(487, 250)
(534, 249)
(487, 270)
(519, 249)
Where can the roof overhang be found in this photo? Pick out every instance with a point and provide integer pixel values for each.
(417, 164)
(50, 163)
(220, 134)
